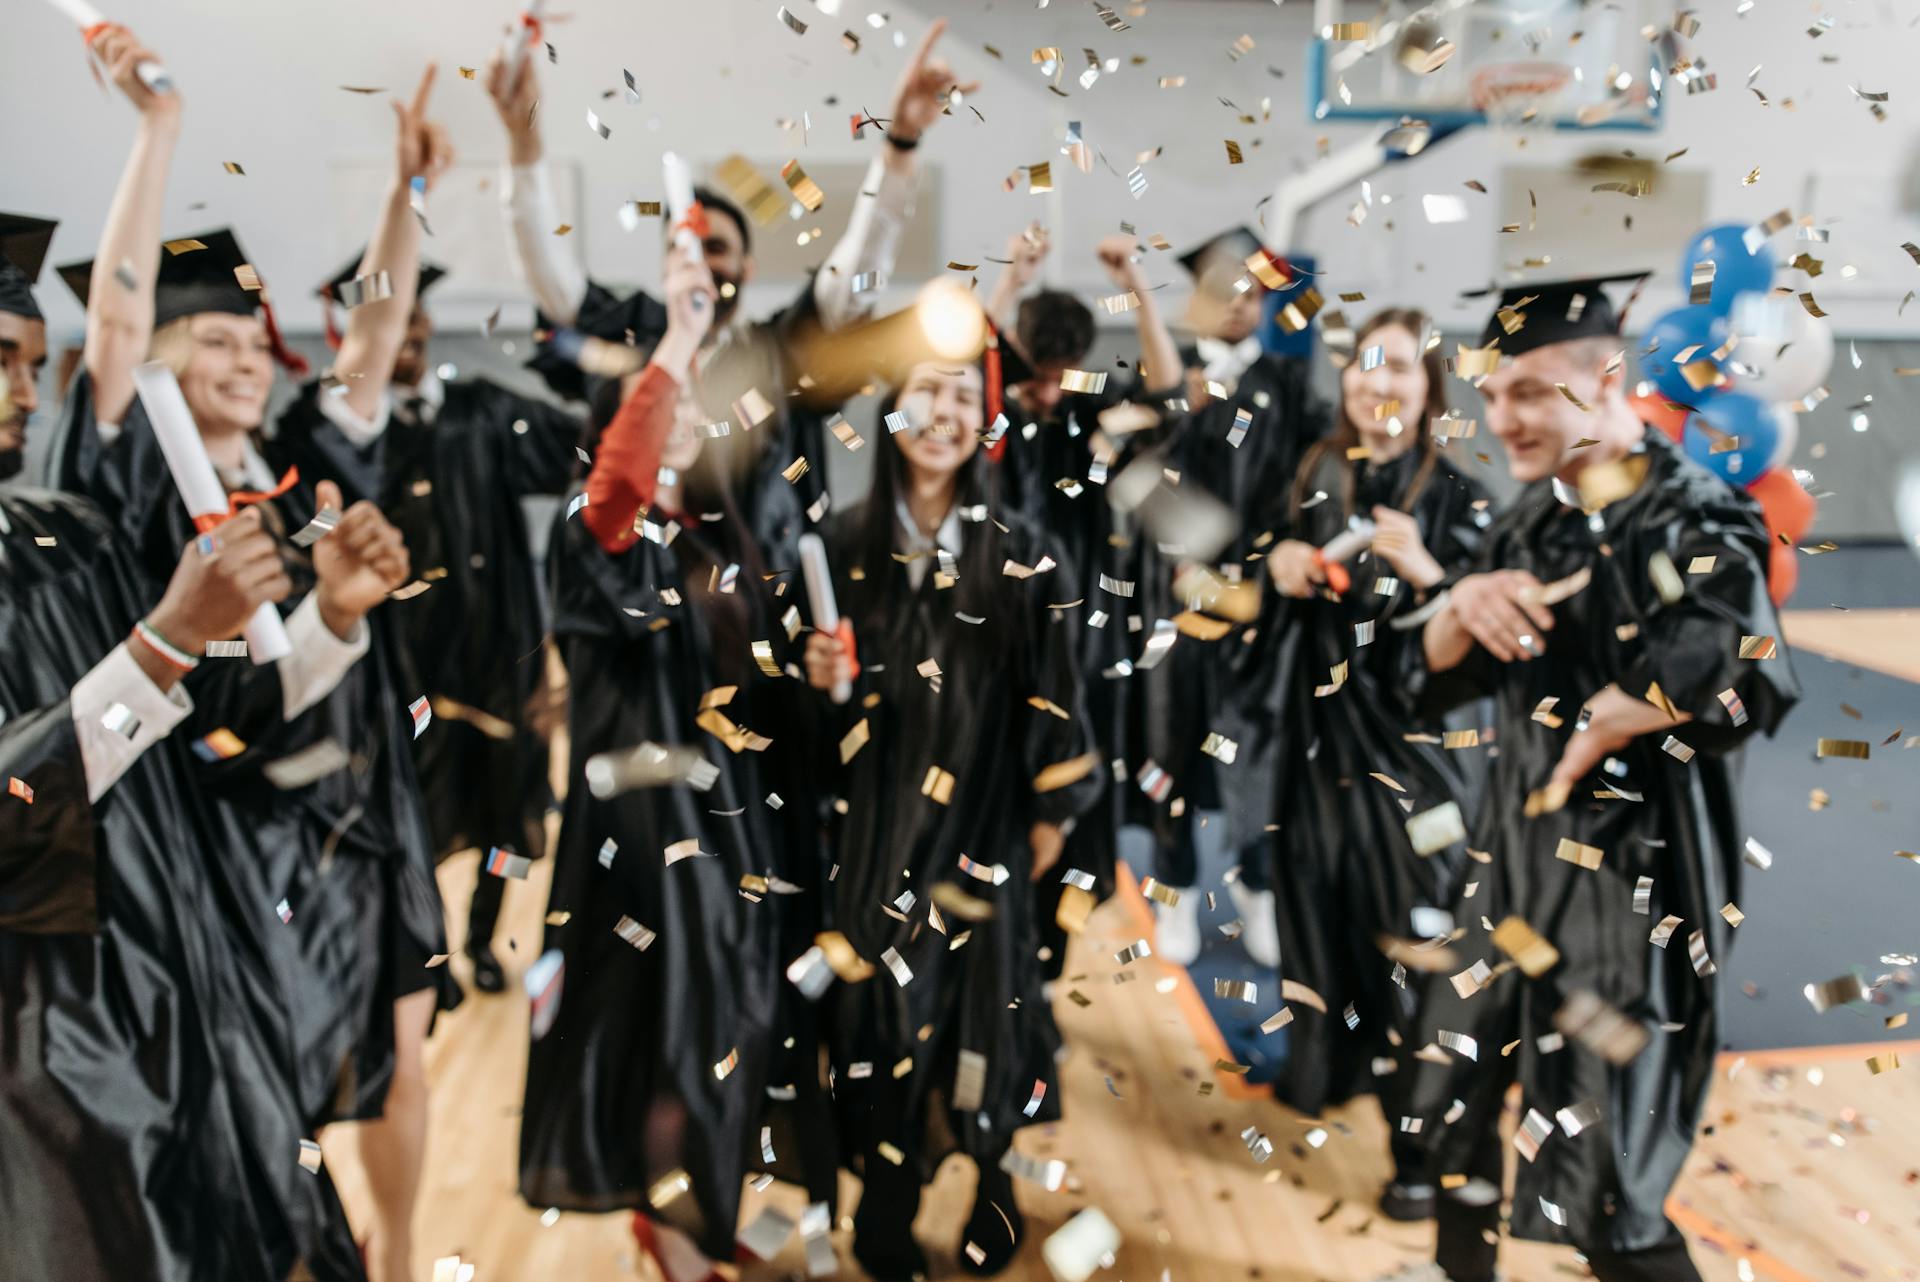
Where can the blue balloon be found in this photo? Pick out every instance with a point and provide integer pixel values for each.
(1736, 270)
(1753, 424)
(1683, 327)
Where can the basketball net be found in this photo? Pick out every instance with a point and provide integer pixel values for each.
(1517, 98)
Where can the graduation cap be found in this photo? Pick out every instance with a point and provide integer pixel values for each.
(336, 290)
(23, 248)
(1218, 263)
(208, 272)
(1561, 311)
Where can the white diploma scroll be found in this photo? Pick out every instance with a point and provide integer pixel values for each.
(86, 17)
(826, 611)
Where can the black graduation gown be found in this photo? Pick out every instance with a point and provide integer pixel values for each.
(148, 1121)
(669, 1058)
(1344, 870)
(894, 837)
(348, 854)
(1183, 699)
(452, 486)
(757, 357)
(1609, 1181)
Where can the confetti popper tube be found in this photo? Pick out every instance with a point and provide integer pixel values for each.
(152, 74)
(826, 610)
(200, 489)
(523, 45)
(678, 180)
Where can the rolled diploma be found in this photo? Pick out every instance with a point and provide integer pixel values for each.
(151, 73)
(200, 488)
(826, 611)
(678, 180)
(1349, 543)
(523, 41)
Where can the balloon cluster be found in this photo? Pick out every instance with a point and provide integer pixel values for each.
(1726, 373)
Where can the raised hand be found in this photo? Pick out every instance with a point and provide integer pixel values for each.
(1119, 254)
(517, 101)
(121, 53)
(422, 148)
(358, 564)
(925, 85)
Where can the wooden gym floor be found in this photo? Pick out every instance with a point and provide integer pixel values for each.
(1811, 1170)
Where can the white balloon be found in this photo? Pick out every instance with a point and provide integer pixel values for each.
(1784, 353)
(1789, 434)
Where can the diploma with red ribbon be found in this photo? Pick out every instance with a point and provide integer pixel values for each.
(826, 611)
(523, 44)
(1341, 548)
(200, 488)
(689, 220)
(91, 24)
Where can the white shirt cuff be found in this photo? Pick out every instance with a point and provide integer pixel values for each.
(360, 432)
(318, 658)
(118, 713)
(558, 284)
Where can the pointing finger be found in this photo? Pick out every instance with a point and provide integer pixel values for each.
(419, 107)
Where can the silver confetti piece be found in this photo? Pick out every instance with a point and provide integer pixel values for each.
(902, 973)
(634, 933)
(309, 1157)
(1577, 1117)
(1663, 931)
(1533, 1132)
(1643, 896)
(226, 649)
(1049, 1174)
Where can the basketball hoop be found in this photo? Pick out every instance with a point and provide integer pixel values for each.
(1512, 95)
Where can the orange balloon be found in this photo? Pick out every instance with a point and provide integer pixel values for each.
(1789, 512)
(1662, 413)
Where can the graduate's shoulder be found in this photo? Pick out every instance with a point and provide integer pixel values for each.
(1679, 491)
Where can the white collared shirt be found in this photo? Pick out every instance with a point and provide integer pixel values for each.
(1225, 362)
(921, 550)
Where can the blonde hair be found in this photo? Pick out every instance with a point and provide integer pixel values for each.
(172, 344)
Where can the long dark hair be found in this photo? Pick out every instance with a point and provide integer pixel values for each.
(981, 552)
(1346, 434)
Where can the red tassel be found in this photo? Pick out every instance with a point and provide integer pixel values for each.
(295, 363)
(995, 394)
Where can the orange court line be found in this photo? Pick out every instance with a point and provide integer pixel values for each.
(1691, 1221)
(1194, 1007)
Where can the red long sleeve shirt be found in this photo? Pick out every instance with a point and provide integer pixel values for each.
(626, 466)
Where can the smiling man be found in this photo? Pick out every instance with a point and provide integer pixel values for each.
(23, 332)
(1604, 617)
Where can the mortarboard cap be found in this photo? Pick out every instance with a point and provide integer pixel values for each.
(204, 273)
(1219, 263)
(1561, 311)
(430, 275)
(23, 248)
(197, 274)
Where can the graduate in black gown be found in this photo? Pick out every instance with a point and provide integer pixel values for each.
(448, 460)
(967, 756)
(1604, 616)
(1253, 418)
(1054, 462)
(122, 946)
(751, 369)
(1354, 763)
(679, 899)
(308, 766)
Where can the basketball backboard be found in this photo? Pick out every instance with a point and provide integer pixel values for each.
(1560, 63)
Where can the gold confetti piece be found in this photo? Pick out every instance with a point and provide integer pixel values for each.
(1348, 31)
(854, 740)
(804, 189)
(1436, 829)
(1080, 380)
(1160, 892)
(794, 24)
(1733, 915)
(1908, 855)
(1758, 648)
(1064, 773)
(634, 933)
(737, 176)
(795, 470)
(1658, 698)
(1472, 979)
(1528, 948)
(1581, 405)
(1878, 1064)
(1543, 712)
(233, 167)
(1854, 749)
(1838, 991)
(1220, 748)
(938, 785)
(1277, 1021)
(1546, 801)
(1666, 579)
(1040, 178)
(1475, 362)
(1575, 852)
(178, 247)
(1233, 152)
(1813, 308)
(1896, 1021)
(686, 848)
(563, 229)
(1294, 991)
(559, 917)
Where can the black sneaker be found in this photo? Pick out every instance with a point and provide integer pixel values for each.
(1407, 1203)
(488, 977)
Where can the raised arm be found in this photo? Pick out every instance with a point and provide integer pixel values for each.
(1161, 370)
(120, 294)
(375, 330)
(1026, 250)
(526, 196)
(885, 204)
